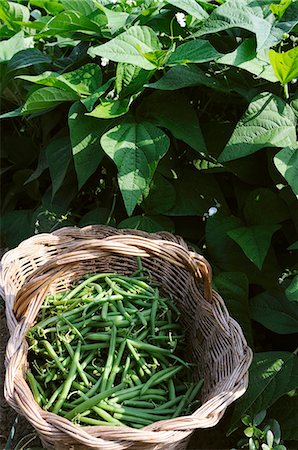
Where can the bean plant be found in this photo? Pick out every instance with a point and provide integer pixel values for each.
(166, 115)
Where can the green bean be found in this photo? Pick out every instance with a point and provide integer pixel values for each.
(99, 423)
(69, 380)
(141, 362)
(79, 367)
(171, 387)
(116, 369)
(109, 362)
(35, 387)
(139, 404)
(160, 376)
(87, 404)
(51, 352)
(133, 419)
(53, 397)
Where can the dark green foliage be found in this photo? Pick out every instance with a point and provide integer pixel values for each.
(166, 115)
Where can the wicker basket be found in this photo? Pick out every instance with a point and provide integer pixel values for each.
(51, 262)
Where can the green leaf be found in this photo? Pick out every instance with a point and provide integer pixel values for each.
(84, 7)
(285, 64)
(95, 217)
(162, 196)
(233, 287)
(45, 98)
(285, 411)
(151, 224)
(254, 241)
(175, 113)
(12, 12)
(50, 6)
(69, 22)
(279, 10)
(131, 79)
(286, 162)
(196, 192)
(272, 374)
(83, 81)
(264, 206)
(275, 312)
(90, 101)
(85, 133)
(268, 122)
(292, 290)
(197, 51)
(26, 58)
(58, 154)
(136, 149)
(129, 47)
(179, 77)
(191, 7)
(237, 14)
(9, 47)
(108, 109)
(245, 57)
(16, 226)
(116, 19)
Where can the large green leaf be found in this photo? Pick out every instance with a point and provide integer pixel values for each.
(286, 162)
(58, 155)
(267, 122)
(130, 79)
(116, 19)
(233, 287)
(263, 206)
(285, 412)
(183, 76)
(9, 47)
(136, 149)
(70, 22)
(50, 6)
(275, 312)
(196, 193)
(162, 196)
(12, 12)
(27, 57)
(228, 256)
(175, 113)
(285, 64)
(108, 109)
(84, 7)
(191, 7)
(272, 374)
(16, 226)
(254, 241)
(237, 14)
(245, 57)
(130, 47)
(45, 98)
(85, 133)
(197, 51)
(151, 224)
(83, 81)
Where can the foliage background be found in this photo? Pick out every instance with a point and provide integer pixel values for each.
(166, 115)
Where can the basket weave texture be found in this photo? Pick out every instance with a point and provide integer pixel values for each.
(52, 262)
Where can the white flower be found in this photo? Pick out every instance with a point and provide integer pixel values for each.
(294, 81)
(114, 1)
(212, 211)
(131, 3)
(181, 19)
(104, 62)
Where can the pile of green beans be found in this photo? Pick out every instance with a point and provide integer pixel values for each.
(108, 352)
